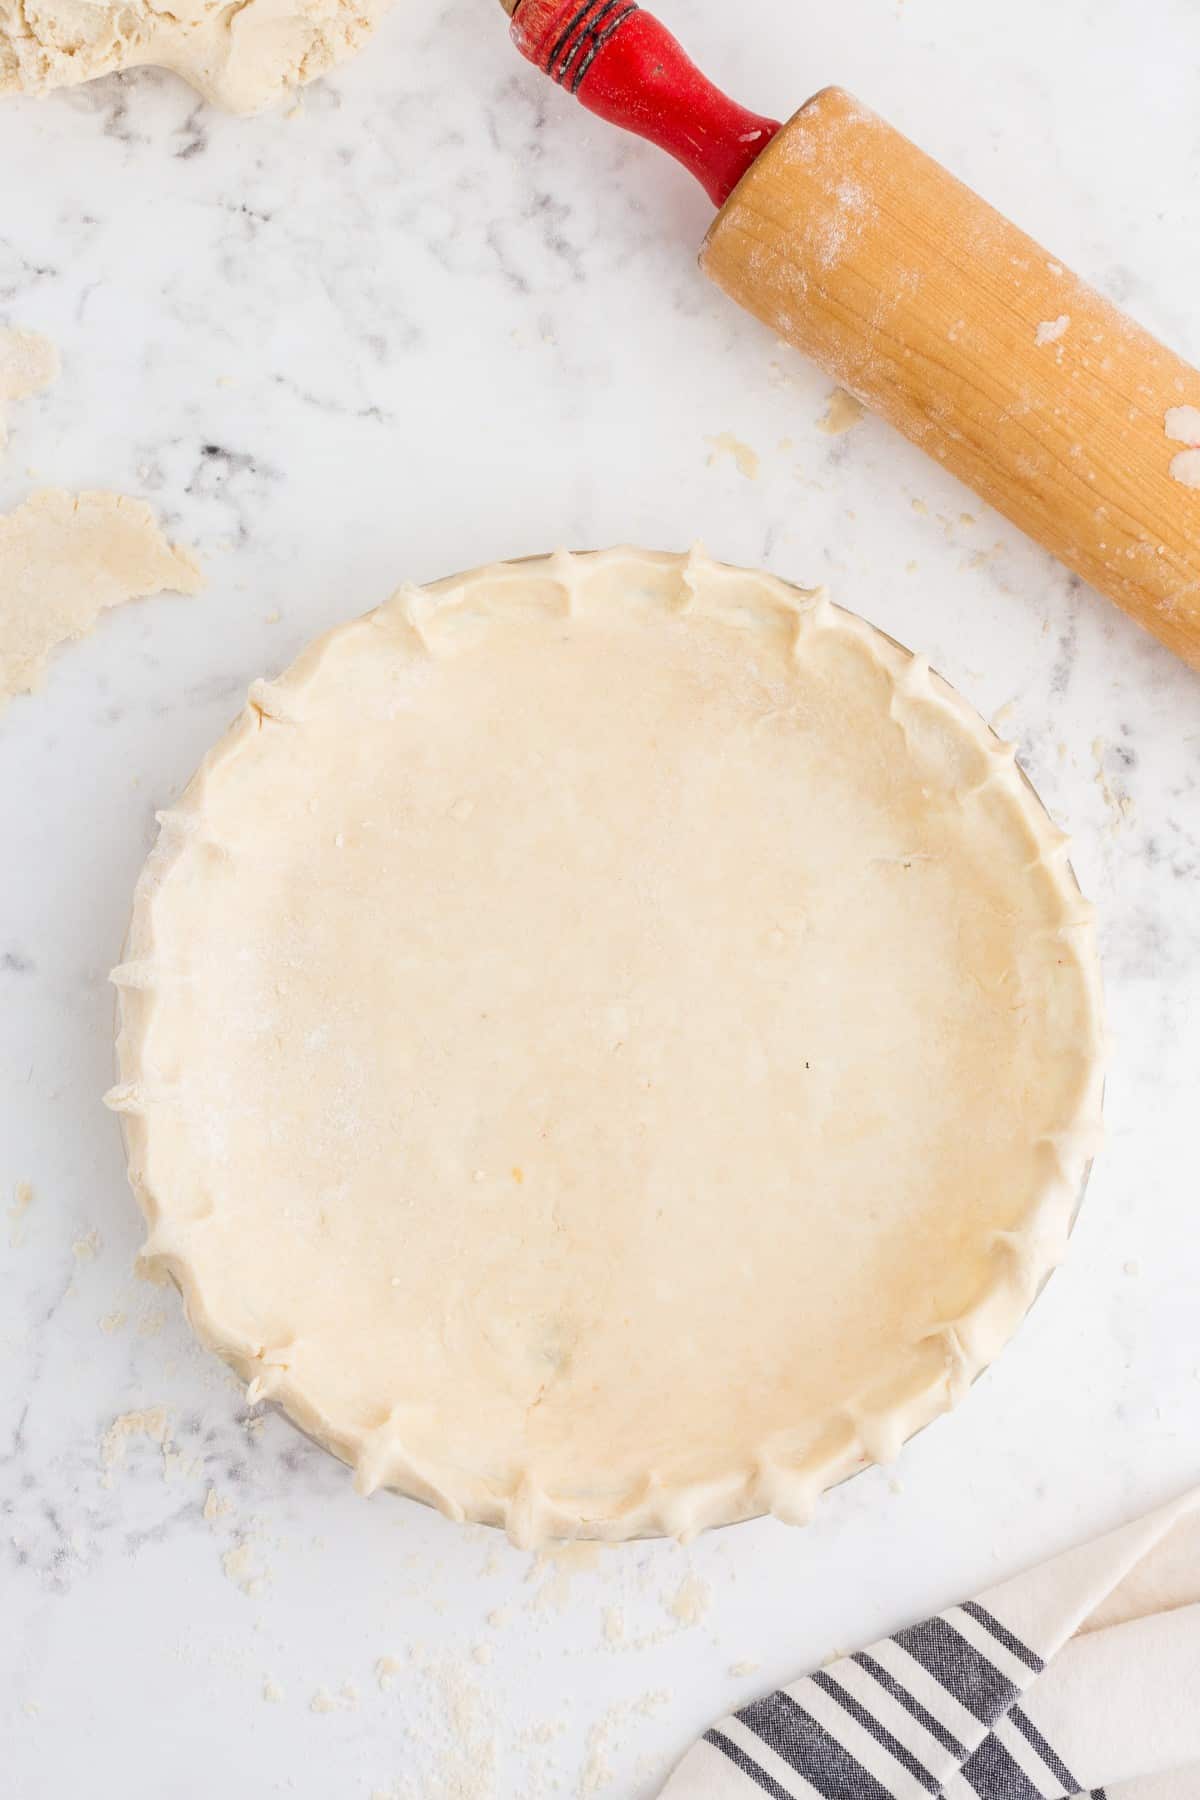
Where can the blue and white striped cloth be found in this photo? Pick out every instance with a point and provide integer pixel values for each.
(1079, 1678)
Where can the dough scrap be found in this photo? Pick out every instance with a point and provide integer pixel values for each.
(28, 364)
(64, 558)
(610, 1044)
(240, 57)
(841, 414)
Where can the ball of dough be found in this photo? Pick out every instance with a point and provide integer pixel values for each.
(242, 58)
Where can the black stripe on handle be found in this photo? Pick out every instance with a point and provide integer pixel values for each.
(598, 42)
(585, 33)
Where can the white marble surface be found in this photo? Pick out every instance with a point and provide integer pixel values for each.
(437, 317)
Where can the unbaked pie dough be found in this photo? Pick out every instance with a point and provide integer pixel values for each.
(610, 1043)
(240, 56)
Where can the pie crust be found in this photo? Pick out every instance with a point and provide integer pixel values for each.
(610, 1043)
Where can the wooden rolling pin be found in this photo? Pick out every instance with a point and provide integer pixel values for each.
(926, 304)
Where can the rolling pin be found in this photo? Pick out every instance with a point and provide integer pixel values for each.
(927, 305)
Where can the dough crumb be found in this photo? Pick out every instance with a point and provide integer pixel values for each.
(272, 1691)
(614, 1625)
(842, 413)
(28, 362)
(1119, 802)
(112, 1322)
(238, 1565)
(1050, 331)
(22, 1200)
(692, 1601)
(151, 1423)
(64, 559)
(85, 1249)
(216, 1506)
(745, 458)
(482, 1653)
(741, 1669)
(386, 1670)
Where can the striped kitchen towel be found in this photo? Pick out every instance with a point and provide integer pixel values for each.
(1079, 1678)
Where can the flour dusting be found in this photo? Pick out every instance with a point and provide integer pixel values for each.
(692, 1601)
(1051, 330)
(1185, 468)
(1182, 425)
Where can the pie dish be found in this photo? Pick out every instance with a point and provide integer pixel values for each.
(609, 1043)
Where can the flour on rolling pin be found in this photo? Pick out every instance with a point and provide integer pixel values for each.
(1183, 427)
(1050, 331)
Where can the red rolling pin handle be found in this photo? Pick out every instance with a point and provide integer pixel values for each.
(625, 66)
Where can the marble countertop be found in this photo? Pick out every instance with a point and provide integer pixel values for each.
(439, 316)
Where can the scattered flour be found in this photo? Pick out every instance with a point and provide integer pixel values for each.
(112, 1322)
(691, 1602)
(602, 1740)
(739, 1670)
(614, 1625)
(459, 1735)
(842, 413)
(745, 458)
(85, 1249)
(345, 1700)
(386, 1670)
(606, 1738)
(216, 1506)
(558, 1565)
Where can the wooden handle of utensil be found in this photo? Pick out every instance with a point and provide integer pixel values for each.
(978, 345)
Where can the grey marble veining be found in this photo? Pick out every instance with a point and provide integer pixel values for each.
(441, 315)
